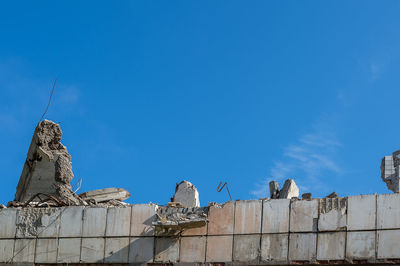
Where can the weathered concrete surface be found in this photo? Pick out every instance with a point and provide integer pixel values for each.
(390, 171)
(303, 247)
(167, 249)
(116, 250)
(193, 249)
(219, 248)
(69, 250)
(47, 167)
(304, 216)
(37, 222)
(141, 250)
(143, 215)
(274, 248)
(275, 216)
(8, 219)
(331, 246)
(248, 216)
(71, 221)
(187, 194)
(6, 250)
(388, 244)
(24, 251)
(46, 250)
(118, 221)
(106, 194)
(332, 214)
(221, 218)
(361, 212)
(246, 248)
(92, 250)
(289, 190)
(94, 221)
(388, 211)
(360, 245)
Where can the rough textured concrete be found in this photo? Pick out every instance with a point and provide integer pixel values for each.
(275, 216)
(332, 214)
(331, 246)
(246, 248)
(274, 190)
(8, 219)
(94, 221)
(303, 247)
(388, 211)
(116, 250)
(187, 194)
(390, 171)
(143, 215)
(141, 250)
(304, 216)
(167, 249)
(274, 248)
(71, 221)
(221, 218)
(248, 217)
(388, 244)
(118, 221)
(289, 190)
(360, 245)
(6, 250)
(46, 250)
(361, 212)
(92, 250)
(24, 250)
(193, 249)
(37, 222)
(69, 250)
(105, 194)
(219, 248)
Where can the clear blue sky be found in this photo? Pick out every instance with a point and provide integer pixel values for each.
(153, 92)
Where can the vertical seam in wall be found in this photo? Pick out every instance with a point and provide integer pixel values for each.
(234, 225)
(105, 237)
(345, 233)
(81, 238)
(288, 248)
(129, 235)
(376, 227)
(261, 230)
(317, 230)
(206, 236)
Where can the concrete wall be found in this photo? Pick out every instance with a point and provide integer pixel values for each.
(357, 229)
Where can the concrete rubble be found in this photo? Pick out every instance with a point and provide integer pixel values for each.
(186, 194)
(106, 194)
(288, 191)
(390, 172)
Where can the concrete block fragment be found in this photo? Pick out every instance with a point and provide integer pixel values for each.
(118, 221)
(24, 251)
(92, 250)
(71, 221)
(246, 248)
(360, 245)
(274, 190)
(361, 212)
(221, 218)
(274, 248)
(186, 193)
(289, 190)
(219, 248)
(388, 244)
(94, 221)
(6, 250)
(275, 216)
(388, 211)
(34, 222)
(167, 250)
(46, 250)
(248, 216)
(332, 214)
(141, 249)
(143, 215)
(106, 194)
(117, 250)
(331, 246)
(8, 219)
(302, 247)
(69, 250)
(304, 216)
(193, 249)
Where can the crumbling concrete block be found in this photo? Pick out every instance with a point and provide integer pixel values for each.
(24, 251)
(274, 190)
(47, 167)
(360, 245)
(304, 216)
(117, 250)
(361, 212)
(221, 218)
(193, 249)
(118, 221)
(248, 216)
(219, 248)
(92, 250)
(331, 246)
(275, 216)
(106, 194)
(167, 250)
(142, 218)
(69, 250)
(71, 221)
(390, 171)
(289, 190)
(274, 248)
(388, 211)
(187, 194)
(94, 221)
(332, 214)
(8, 219)
(388, 244)
(46, 250)
(302, 247)
(6, 250)
(141, 250)
(37, 222)
(246, 248)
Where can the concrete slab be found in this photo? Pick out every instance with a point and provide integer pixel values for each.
(193, 249)
(92, 250)
(360, 245)
(141, 249)
(275, 216)
(50, 223)
(8, 219)
(334, 220)
(246, 248)
(304, 216)
(117, 250)
(248, 216)
(221, 218)
(198, 231)
(46, 251)
(219, 248)
(141, 219)
(361, 212)
(69, 250)
(274, 248)
(388, 244)
(71, 221)
(167, 250)
(94, 221)
(388, 211)
(6, 250)
(118, 221)
(302, 247)
(24, 251)
(331, 246)
(34, 222)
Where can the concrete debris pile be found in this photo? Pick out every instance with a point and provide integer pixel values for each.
(186, 194)
(390, 172)
(288, 191)
(47, 173)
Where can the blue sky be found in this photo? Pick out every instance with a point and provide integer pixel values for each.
(150, 93)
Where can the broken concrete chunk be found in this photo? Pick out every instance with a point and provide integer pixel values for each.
(390, 171)
(306, 196)
(106, 194)
(289, 190)
(274, 189)
(47, 167)
(186, 194)
(332, 195)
